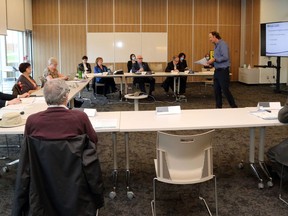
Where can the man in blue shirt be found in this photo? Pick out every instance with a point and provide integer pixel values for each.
(221, 63)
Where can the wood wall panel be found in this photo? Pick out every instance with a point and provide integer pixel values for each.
(205, 12)
(157, 12)
(100, 28)
(230, 12)
(100, 11)
(45, 11)
(202, 45)
(256, 33)
(73, 47)
(180, 40)
(127, 28)
(180, 12)
(154, 28)
(73, 12)
(231, 34)
(45, 45)
(127, 12)
(187, 23)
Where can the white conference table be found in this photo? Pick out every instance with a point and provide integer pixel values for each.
(199, 119)
(75, 86)
(175, 75)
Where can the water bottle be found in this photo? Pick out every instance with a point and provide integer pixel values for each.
(79, 74)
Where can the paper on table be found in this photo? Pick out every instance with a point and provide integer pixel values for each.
(104, 123)
(202, 61)
(90, 112)
(264, 114)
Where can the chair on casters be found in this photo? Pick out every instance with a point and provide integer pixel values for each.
(184, 159)
(284, 163)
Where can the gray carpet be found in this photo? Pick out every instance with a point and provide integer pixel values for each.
(237, 188)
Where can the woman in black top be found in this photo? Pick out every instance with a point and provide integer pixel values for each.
(131, 62)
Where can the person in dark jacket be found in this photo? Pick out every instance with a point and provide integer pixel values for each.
(85, 67)
(8, 99)
(140, 66)
(77, 189)
(131, 62)
(174, 66)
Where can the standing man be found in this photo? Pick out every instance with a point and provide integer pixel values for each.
(140, 66)
(221, 63)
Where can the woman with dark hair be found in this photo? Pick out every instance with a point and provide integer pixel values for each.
(25, 82)
(182, 61)
(131, 62)
(85, 67)
(107, 81)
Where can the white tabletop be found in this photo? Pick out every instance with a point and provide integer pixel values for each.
(192, 120)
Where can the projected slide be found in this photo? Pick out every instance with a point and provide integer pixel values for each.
(276, 39)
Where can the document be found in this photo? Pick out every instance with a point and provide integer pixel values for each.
(202, 61)
(104, 123)
(266, 114)
(90, 112)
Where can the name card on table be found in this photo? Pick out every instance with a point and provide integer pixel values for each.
(269, 105)
(168, 110)
(104, 123)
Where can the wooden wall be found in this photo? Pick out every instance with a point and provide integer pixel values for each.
(252, 29)
(60, 27)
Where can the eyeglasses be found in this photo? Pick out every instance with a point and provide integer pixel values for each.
(139, 58)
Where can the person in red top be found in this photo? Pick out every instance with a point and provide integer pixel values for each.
(58, 173)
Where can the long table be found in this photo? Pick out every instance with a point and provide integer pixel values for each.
(199, 119)
(175, 75)
(75, 86)
(194, 119)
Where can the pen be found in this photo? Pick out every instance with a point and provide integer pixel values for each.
(268, 111)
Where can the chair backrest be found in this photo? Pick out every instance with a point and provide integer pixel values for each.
(16, 89)
(64, 176)
(190, 155)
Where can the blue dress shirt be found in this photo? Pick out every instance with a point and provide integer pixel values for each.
(221, 54)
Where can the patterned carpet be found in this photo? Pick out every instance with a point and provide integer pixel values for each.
(237, 188)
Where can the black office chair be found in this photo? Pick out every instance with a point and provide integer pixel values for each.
(278, 156)
(58, 177)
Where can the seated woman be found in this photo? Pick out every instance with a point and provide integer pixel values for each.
(107, 81)
(85, 67)
(51, 72)
(25, 82)
(131, 62)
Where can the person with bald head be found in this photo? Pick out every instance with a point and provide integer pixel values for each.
(140, 66)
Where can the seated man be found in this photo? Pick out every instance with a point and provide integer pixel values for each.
(8, 99)
(59, 123)
(140, 66)
(175, 66)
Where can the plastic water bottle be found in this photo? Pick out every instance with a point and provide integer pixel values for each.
(79, 74)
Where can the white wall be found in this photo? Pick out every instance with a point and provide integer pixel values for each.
(272, 11)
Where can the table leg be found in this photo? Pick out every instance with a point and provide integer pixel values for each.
(261, 157)
(136, 105)
(252, 157)
(121, 89)
(112, 194)
(174, 85)
(130, 194)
